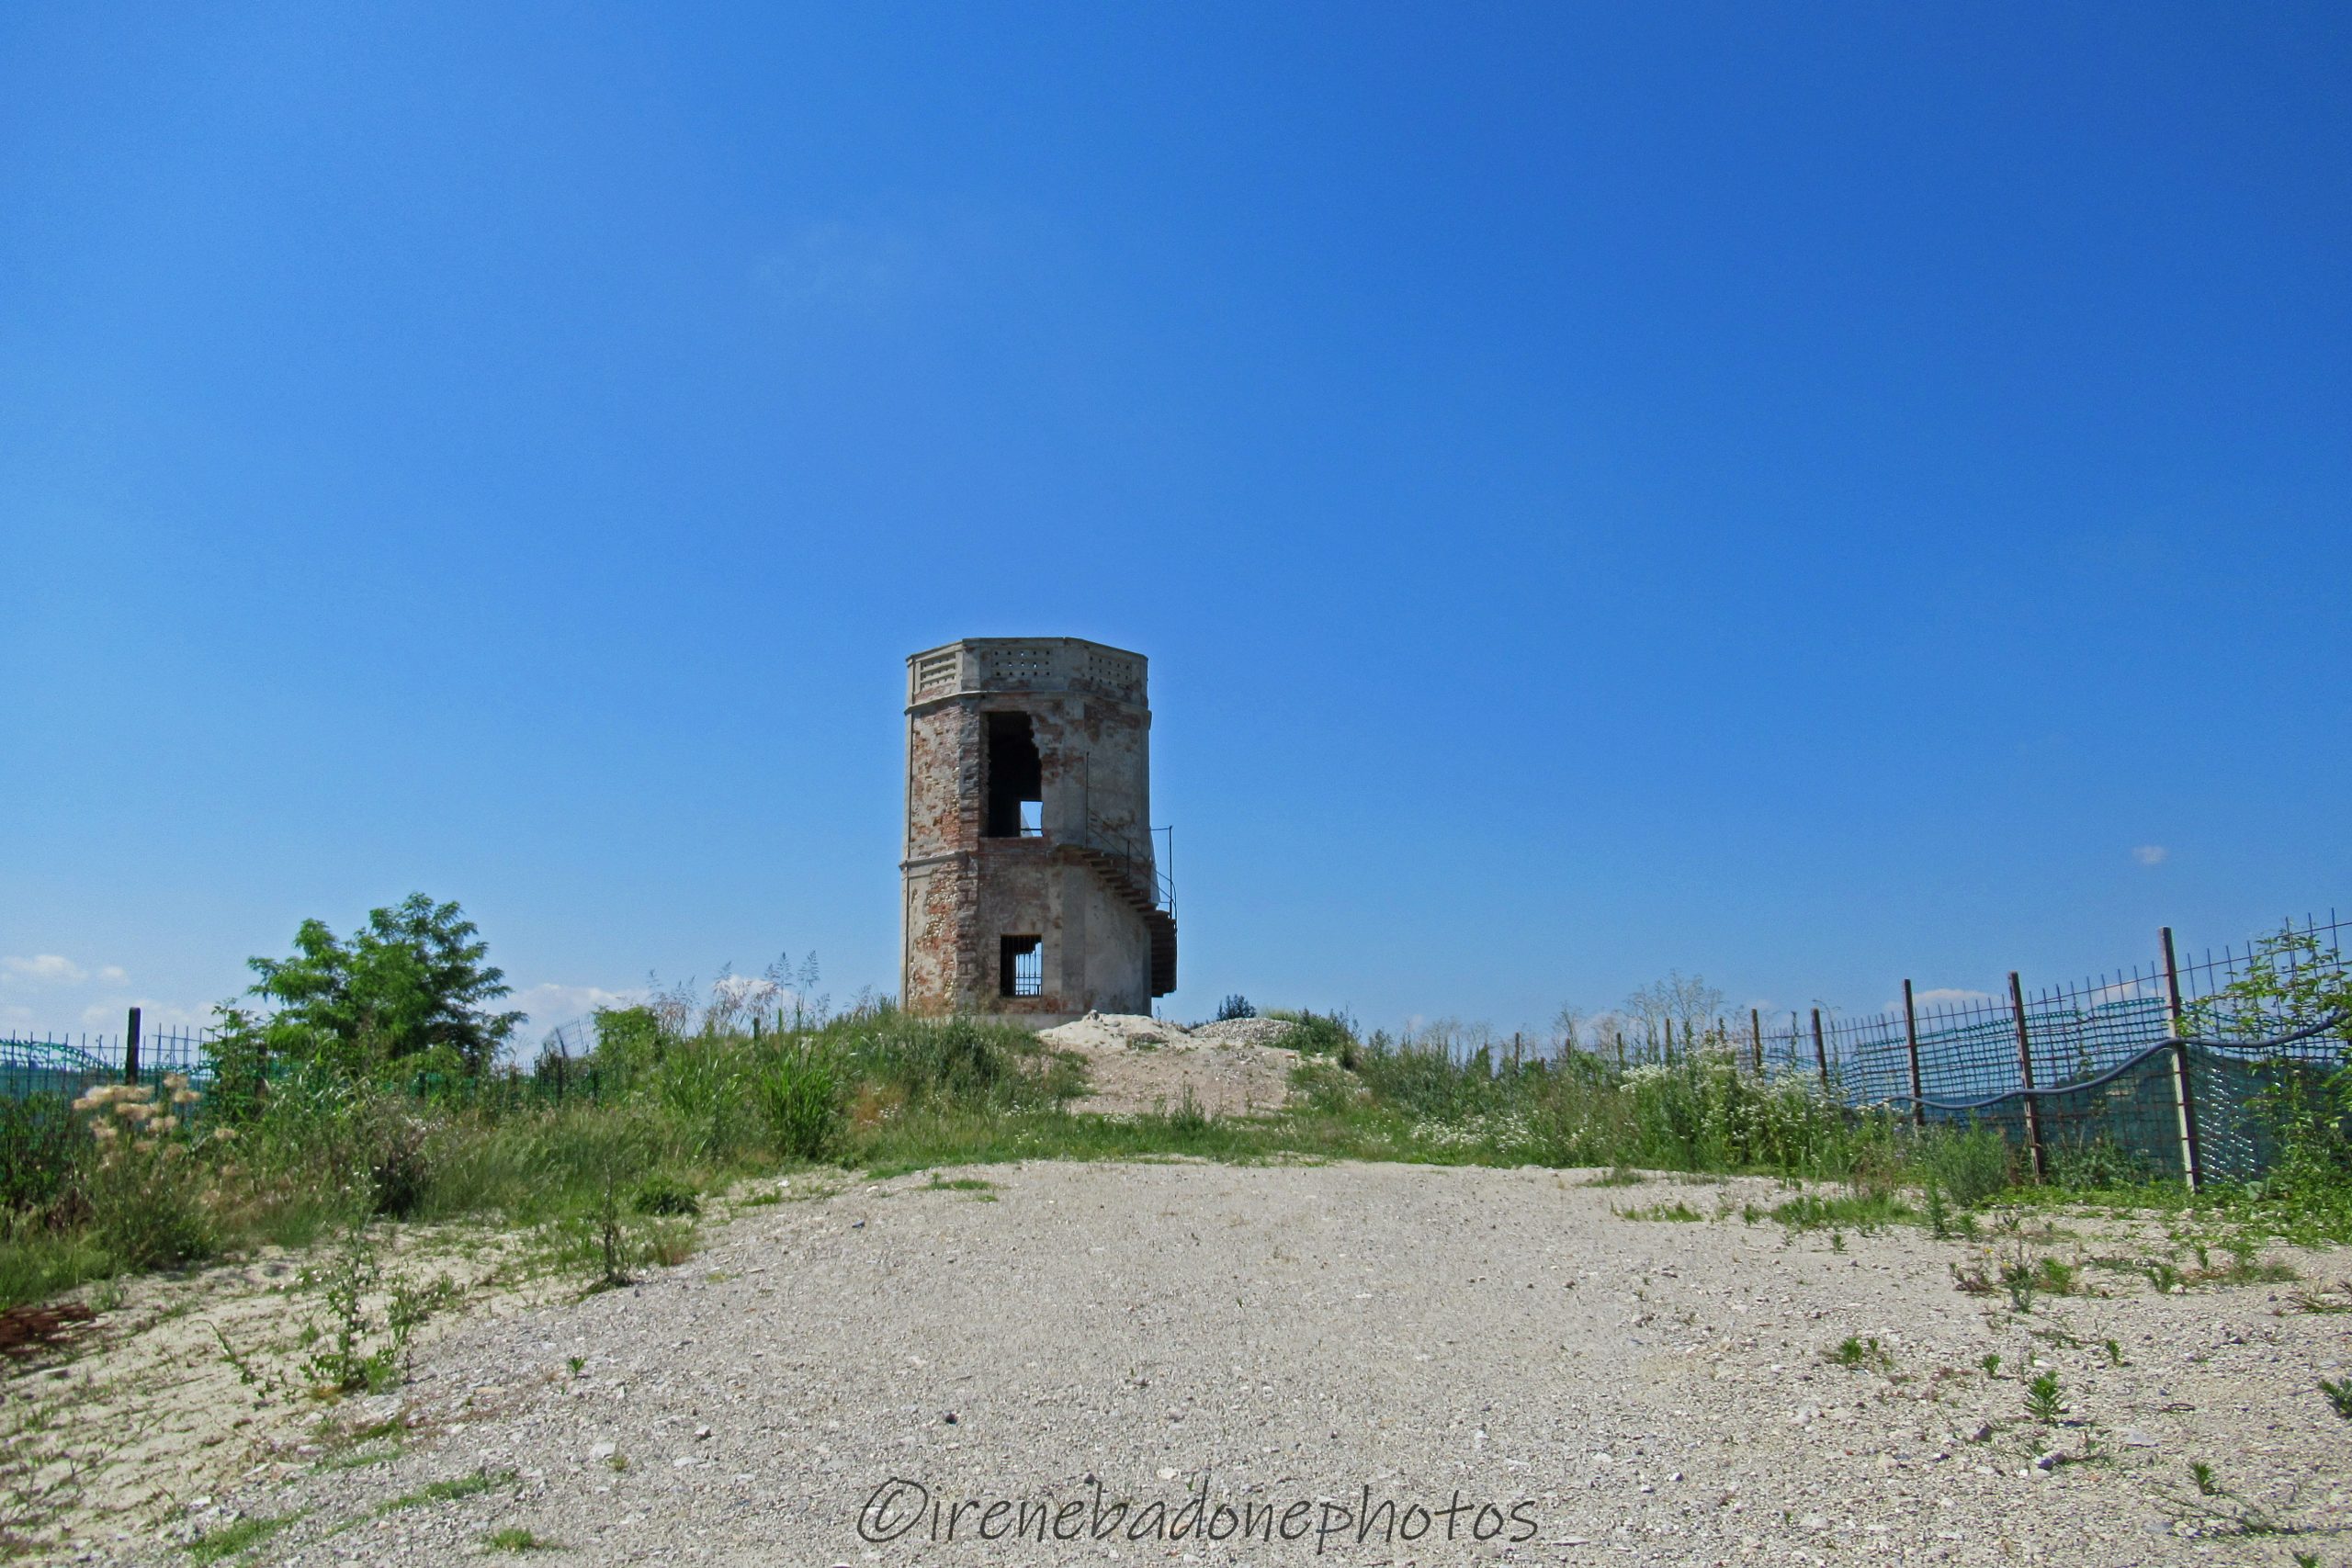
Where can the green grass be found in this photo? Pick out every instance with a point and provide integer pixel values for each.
(1865, 1211)
(37, 1262)
(473, 1486)
(362, 1446)
(1859, 1355)
(236, 1539)
(514, 1540)
(356, 1459)
(1676, 1211)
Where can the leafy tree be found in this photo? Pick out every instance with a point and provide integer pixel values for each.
(406, 992)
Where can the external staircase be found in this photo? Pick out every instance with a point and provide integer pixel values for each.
(1136, 884)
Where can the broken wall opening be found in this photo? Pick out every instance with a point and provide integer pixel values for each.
(1016, 780)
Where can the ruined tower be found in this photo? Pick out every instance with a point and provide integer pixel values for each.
(1032, 886)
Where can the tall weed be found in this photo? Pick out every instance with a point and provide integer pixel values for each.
(1968, 1164)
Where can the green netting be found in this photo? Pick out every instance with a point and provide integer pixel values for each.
(2127, 1124)
(36, 1068)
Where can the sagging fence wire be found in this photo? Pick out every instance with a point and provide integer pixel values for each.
(2159, 1070)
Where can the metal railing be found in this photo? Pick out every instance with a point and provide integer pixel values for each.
(1141, 867)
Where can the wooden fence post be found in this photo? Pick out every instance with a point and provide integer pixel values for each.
(131, 1048)
(1756, 1040)
(1911, 1043)
(1670, 1040)
(1820, 1051)
(2192, 1156)
(2025, 1072)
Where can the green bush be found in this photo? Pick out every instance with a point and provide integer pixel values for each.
(1428, 1078)
(2097, 1162)
(629, 1043)
(1968, 1164)
(1317, 1034)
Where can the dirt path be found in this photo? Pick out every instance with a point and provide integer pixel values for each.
(1281, 1339)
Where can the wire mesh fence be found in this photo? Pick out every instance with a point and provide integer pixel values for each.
(2155, 1070)
(69, 1064)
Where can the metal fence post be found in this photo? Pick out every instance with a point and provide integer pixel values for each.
(1756, 1039)
(131, 1048)
(1911, 1043)
(2192, 1156)
(1820, 1051)
(2025, 1072)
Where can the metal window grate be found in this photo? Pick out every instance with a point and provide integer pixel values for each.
(1021, 970)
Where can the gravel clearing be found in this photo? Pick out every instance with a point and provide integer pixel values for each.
(1286, 1337)
(1135, 1063)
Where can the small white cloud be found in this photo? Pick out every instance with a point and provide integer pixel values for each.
(43, 969)
(2150, 855)
(550, 1004)
(113, 974)
(1948, 996)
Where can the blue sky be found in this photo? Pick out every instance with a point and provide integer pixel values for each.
(1807, 497)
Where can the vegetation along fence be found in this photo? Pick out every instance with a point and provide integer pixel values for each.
(2160, 1070)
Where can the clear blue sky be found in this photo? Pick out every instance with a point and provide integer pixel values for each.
(1809, 496)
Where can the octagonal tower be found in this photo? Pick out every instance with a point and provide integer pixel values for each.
(1031, 885)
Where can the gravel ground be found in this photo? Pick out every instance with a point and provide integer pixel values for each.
(1620, 1390)
(1138, 1064)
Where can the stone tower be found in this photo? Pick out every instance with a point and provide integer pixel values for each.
(1031, 884)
